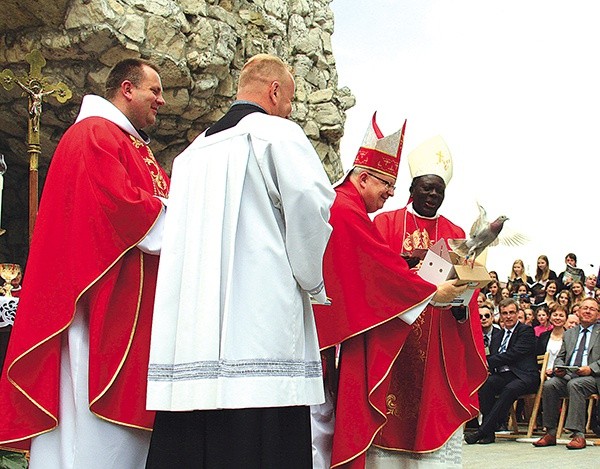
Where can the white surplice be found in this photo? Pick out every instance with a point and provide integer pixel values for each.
(245, 232)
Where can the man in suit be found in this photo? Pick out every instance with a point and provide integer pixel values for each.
(513, 371)
(581, 348)
(490, 331)
(590, 285)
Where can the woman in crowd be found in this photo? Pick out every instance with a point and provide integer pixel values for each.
(494, 292)
(543, 273)
(577, 292)
(529, 317)
(571, 272)
(564, 299)
(494, 296)
(518, 275)
(551, 341)
(549, 294)
(493, 276)
(541, 314)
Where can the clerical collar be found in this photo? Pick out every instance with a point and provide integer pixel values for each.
(410, 209)
(97, 106)
(245, 101)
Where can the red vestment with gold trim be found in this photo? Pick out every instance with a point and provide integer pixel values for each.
(434, 381)
(98, 203)
(369, 286)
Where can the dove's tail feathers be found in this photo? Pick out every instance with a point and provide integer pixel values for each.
(459, 246)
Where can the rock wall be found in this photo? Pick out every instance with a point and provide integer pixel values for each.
(200, 46)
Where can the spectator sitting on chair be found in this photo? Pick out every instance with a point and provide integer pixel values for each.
(513, 367)
(580, 348)
(551, 341)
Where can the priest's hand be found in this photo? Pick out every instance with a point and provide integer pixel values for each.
(447, 291)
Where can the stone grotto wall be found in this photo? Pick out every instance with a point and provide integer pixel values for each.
(200, 46)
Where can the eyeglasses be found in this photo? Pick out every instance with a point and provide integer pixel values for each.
(486, 316)
(506, 313)
(588, 308)
(387, 184)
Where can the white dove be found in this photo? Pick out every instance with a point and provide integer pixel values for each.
(483, 234)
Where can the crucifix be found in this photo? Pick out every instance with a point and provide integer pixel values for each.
(36, 87)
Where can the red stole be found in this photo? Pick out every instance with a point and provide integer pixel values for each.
(369, 286)
(98, 203)
(434, 381)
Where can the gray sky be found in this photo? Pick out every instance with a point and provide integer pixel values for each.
(514, 89)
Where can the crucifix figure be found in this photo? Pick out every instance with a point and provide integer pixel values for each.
(35, 99)
(36, 87)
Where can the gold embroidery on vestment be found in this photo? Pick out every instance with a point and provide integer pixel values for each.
(158, 181)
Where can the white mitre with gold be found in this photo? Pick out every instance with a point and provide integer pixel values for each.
(431, 157)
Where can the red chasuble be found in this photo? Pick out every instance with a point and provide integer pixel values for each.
(98, 203)
(434, 381)
(369, 286)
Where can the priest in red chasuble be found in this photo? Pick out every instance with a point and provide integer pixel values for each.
(75, 372)
(433, 384)
(373, 296)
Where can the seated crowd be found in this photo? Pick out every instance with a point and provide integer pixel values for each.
(525, 319)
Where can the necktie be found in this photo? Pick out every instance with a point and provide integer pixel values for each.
(580, 348)
(486, 340)
(504, 343)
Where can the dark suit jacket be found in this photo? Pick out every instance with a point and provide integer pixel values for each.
(520, 354)
(568, 347)
(495, 333)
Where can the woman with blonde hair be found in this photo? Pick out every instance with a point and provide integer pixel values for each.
(564, 299)
(577, 292)
(518, 276)
(543, 272)
(543, 275)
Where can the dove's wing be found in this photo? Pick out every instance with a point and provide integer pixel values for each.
(511, 237)
(480, 223)
(458, 246)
